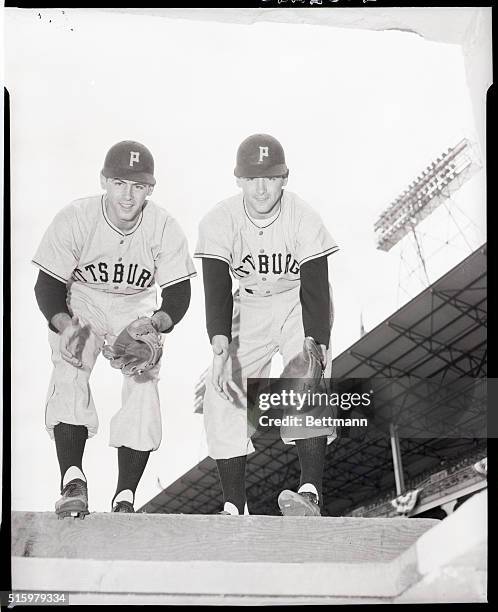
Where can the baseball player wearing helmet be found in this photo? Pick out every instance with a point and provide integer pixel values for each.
(276, 246)
(99, 262)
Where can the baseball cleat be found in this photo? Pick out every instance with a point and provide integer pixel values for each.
(74, 500)
(123, 506)
(298, 504)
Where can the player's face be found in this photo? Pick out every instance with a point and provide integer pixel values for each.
(124, 199)
(262, 194)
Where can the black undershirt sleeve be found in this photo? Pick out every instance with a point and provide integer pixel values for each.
(315, 299)
(175, 301)
(51, 296)
(218, 297)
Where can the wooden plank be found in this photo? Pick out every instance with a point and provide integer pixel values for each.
(405, 570)
(206, 577)
(182, 537)
(349, 562)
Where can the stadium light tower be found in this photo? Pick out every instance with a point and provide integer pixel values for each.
(433, 187)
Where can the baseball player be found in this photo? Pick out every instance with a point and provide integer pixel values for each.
(99, 263)
(276, 246)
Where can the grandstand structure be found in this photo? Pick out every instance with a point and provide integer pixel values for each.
(429, 448)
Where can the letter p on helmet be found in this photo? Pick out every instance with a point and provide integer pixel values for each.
(134, 158)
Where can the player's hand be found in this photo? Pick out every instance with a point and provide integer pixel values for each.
(222, 381)
(161, 321)
(72, 341)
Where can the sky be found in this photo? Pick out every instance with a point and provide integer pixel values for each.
(360, 114)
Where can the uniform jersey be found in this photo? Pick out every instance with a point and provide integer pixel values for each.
(265, 259)
(83, 246)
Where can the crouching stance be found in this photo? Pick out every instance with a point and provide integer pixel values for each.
(276, 246)
(100, 262)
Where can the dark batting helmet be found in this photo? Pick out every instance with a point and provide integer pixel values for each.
(130, 160)
(260, 155)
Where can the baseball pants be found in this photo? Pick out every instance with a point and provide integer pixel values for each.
(137, 424)
(261, 327)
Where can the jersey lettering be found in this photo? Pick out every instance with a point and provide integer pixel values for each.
(277, 265)
(104, 277)
(240, 271)
(248, 259)
(114, 274)
(118, 273)
(78, 275)
(263, 264)
(132, 270)
(90, 268)
(134, 158)
(144, 276)
(294, 269)
(267, 264)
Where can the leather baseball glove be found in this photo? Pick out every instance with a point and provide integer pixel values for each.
(308, 364)
(313, 358)
(304, 373)
(137, 349)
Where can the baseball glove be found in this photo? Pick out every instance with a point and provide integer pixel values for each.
(313, 358)
(304, 373)
(307, 364)
(137, 349)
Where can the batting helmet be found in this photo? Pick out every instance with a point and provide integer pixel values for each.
(260, 155)
(130, 160)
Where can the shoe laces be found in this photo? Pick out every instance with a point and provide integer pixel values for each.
(123, 506)
(74, 487)
(311, 497)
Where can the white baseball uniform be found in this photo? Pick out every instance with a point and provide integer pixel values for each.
(265, 255)
(111, 277)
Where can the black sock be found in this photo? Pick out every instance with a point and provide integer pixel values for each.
(233, 480)
(311, 453)
(69, 444)
(131, 465)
